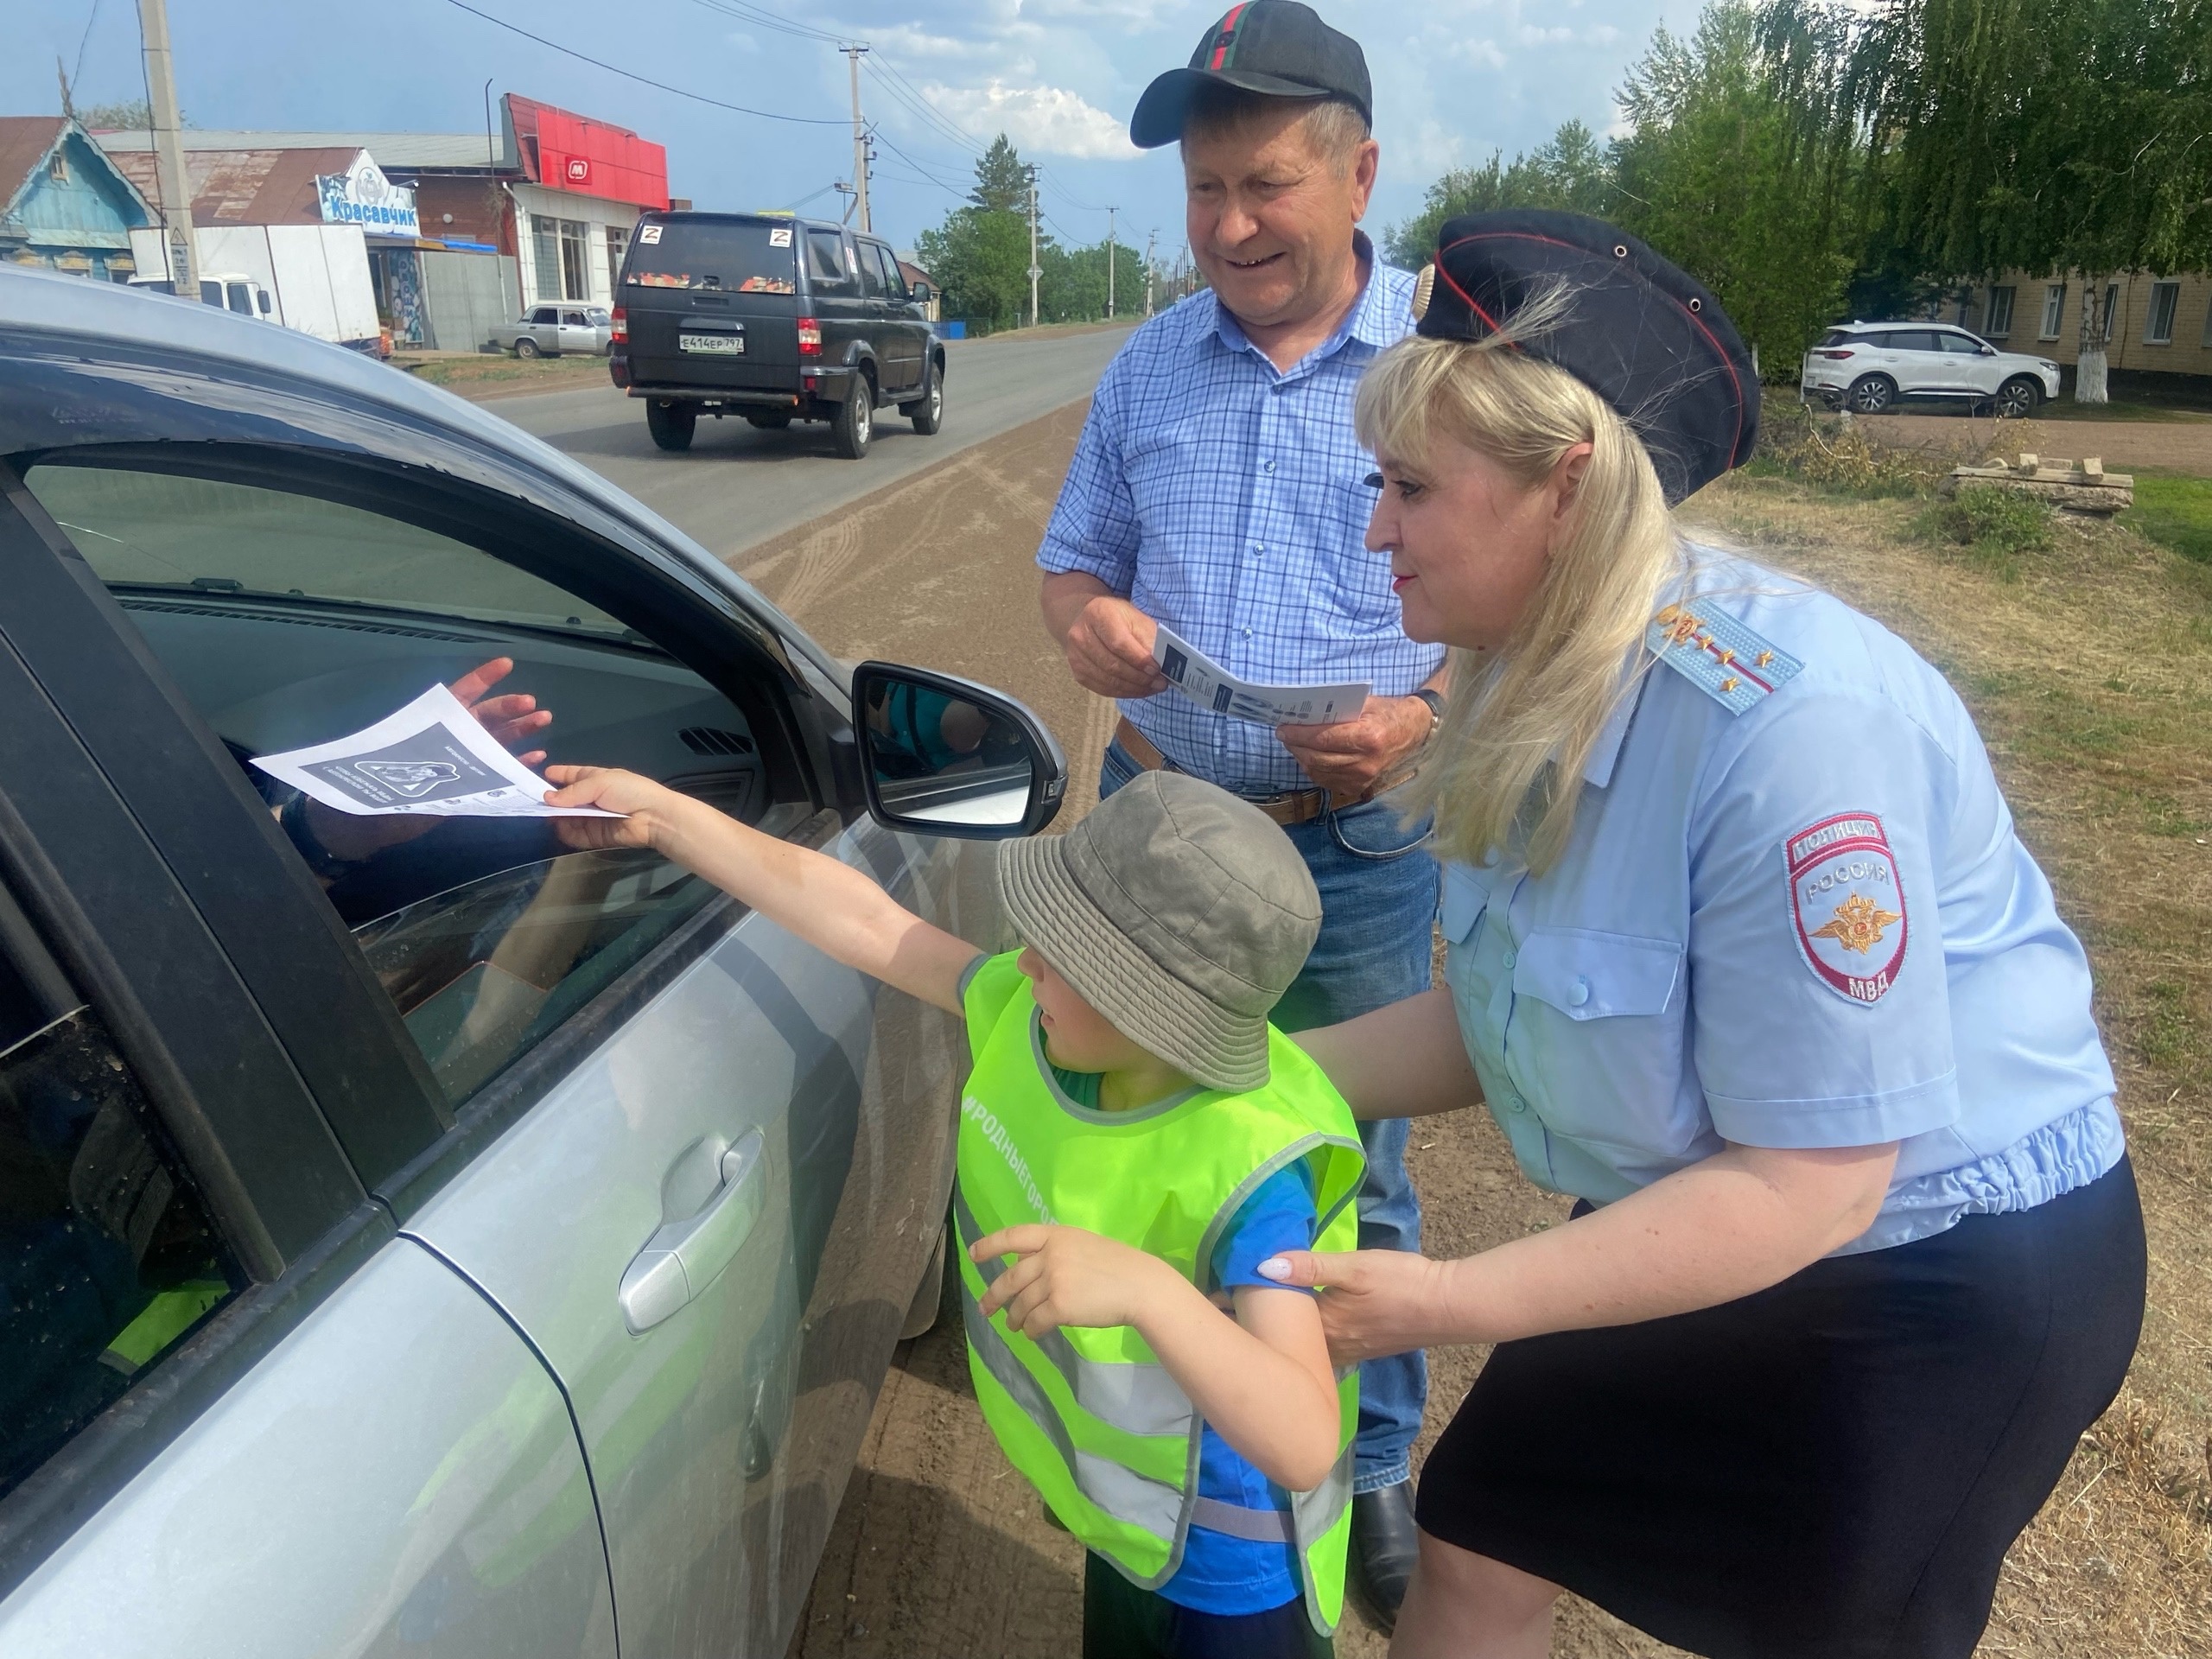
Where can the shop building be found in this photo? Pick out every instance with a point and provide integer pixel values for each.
(64, 205)
(583, 184)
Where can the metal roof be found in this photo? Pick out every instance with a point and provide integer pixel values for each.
(394, 151)
(244, 187)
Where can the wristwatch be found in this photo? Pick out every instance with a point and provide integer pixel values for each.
(1435, 702)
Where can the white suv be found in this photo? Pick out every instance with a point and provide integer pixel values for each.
(1867, 366)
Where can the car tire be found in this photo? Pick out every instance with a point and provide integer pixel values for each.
(927, 411)
(768, 423)
(2018, 397)
(672, 424)
(526, 348)
(1870, 394)
(854, 424)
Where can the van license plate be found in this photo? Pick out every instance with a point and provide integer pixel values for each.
(728, 345)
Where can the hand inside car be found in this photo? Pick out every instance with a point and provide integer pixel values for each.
(511, 719)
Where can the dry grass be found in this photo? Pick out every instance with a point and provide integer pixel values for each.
(2088, 666)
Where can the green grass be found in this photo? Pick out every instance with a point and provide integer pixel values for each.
(1992, 527)
(2176, 512)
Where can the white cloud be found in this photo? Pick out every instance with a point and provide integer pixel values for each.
(1049, 120)
(1483, 54)
(1529, 35)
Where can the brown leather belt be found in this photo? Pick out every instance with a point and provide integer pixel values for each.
(1292, 807)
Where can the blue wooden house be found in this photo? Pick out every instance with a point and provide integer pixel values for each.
(63, 204)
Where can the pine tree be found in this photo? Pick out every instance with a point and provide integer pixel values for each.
(1002, 180)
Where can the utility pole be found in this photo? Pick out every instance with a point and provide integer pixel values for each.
(1110, 211)
(1035, 271)
(860, 138)
(169, 148)
(1150, 237)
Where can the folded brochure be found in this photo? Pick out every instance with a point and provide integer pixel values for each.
(1210, 686)
(433, 758)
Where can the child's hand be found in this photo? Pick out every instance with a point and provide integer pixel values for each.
(1067, 1276)
(645, 803)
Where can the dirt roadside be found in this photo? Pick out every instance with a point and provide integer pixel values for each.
(2171, 447)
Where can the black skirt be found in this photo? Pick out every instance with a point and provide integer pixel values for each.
(1832, 1467)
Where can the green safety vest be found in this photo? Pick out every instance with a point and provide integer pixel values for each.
(1090, 1416)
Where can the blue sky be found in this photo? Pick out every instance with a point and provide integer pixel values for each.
(1453, 79)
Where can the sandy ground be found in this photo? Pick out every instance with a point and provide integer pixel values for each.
(2173, 447)
(939, 1551)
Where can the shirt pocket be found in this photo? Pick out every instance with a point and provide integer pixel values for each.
(1466, 897)
(1173, 487)
(1357, 581)
(1598, 1031)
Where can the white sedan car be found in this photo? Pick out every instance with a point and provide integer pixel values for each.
(1868, 366)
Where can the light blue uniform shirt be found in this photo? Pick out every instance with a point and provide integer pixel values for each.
(1228, 498)
(1807, 924)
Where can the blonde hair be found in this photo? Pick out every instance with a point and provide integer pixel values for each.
(1334, 128)
(1505, 770)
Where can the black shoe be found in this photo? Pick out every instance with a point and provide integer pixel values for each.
(1384, 1543)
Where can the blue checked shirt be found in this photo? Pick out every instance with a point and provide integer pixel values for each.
(1229, 500)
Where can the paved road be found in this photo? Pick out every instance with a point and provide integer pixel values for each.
(738, 486)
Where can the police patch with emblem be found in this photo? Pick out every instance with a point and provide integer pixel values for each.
(1848, 905)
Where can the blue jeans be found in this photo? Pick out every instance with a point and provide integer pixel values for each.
(1373, 950)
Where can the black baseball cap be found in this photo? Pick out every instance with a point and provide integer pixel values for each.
(1639, 331)
(1278, 47)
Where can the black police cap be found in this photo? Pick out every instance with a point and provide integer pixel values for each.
(1637, 330)
(1277, 47)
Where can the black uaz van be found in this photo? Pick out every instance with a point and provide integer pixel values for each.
(773, 318)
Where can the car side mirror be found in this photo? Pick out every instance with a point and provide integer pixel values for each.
(923, 293)
(1988, 351)
(944, 756)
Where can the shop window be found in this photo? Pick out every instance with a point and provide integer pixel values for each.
(2054, 310)
(546, 257)
(2001, 313)
(576, 281)
(2158, 329)
(618, 244)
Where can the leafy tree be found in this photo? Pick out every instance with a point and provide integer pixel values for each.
(1002, 180)
(2065, 136)
(1571, 171)
(129, 115)
(1073, 286)
(980, 259)
(1740, 183)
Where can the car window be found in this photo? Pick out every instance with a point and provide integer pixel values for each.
(1962, 345)
(825, 259)
(742, 255)
(893, 284)
(289, 620)
(1910, 339)
(543, 314)
(107, 1257)
(871, 270)
(241, 299)
(575, 320)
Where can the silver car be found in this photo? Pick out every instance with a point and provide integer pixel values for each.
(415, 1237)
(551, 330)
(1872, 366)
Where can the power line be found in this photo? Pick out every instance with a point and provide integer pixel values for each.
(643, 80)
(753, 15)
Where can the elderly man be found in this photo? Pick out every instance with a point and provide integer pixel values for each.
(1218, 488)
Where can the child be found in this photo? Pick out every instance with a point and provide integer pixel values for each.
(1136, 1140)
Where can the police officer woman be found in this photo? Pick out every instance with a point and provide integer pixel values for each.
(1744, 954)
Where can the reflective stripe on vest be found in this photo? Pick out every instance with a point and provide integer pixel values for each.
(1089, 1415)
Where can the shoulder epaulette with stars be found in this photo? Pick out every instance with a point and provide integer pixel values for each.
(1720, 656)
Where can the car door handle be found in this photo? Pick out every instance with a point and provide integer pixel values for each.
(682, 1259)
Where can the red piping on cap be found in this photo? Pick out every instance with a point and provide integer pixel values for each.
(1225, 32)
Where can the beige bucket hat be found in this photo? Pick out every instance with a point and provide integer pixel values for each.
(1179, 913)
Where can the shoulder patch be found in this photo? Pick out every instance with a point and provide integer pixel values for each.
(1720, 656)
(1847, 905)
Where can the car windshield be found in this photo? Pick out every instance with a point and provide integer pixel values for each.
(741, 256)
(203, 535)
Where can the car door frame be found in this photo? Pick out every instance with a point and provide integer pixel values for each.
(897, 342)
(136, 934)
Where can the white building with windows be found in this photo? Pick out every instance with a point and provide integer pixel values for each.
(2155, 323)
(584, 184)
